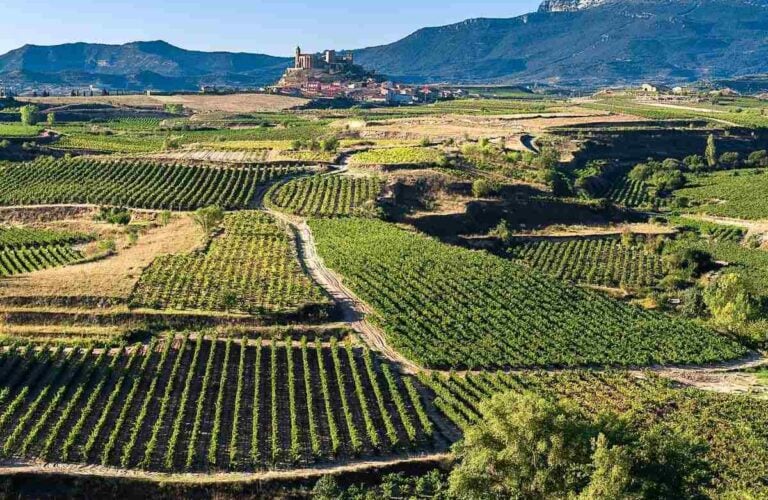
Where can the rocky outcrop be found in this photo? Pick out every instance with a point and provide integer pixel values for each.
(569, 5)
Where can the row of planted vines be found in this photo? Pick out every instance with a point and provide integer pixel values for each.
(445, 306)
(34, 258)
(730, 430)
(189, 403)
(134, 183)
(596, 261)
(325, 196)
(252, 267)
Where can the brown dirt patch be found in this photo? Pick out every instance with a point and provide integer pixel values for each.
(234, 103)
(114, 276)
(474, 127)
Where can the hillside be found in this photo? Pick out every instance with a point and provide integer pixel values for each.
(137, 65)
(567, 42)
(588, 42)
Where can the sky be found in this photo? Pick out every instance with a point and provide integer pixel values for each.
(262, 26)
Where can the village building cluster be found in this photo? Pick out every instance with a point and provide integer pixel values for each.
(333, 75)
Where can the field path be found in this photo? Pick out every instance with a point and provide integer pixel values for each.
(381, 464)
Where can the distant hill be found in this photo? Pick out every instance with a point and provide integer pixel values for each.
(138, 65)
(567, 42)
(588, 42)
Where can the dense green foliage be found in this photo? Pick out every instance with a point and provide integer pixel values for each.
(596, 261)
(193, 404)
(448, 307)
(727, 433)
(252, 267)
(325, 196)
(132, 183)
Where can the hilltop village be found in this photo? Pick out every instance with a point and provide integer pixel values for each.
(335, 75)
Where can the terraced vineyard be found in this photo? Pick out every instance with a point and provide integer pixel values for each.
(397, 156)
(134, 183)
(596, 261)
(732, 426)
(194, 404)
(15, 130)
(16, 237)
(34, 258)
(448, 307)
(629, 193)
(324, 196)
(252, 267)
(24, 250)
(738, 194)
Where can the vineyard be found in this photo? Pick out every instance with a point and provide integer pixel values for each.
(251, 268)
(13, 130)
(734, 427)
(596, 261)
(738, 194)
(450, 307)
(191, 403)
(134, 183)
(629, 193)
(324, 196)
(17, 260)
(15, 237)
(397, 156)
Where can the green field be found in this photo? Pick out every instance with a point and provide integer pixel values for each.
(251, 268)
(449, 307)
(13, 130)
(739, 194)
(398, 156)
(325, 196)
(206, 404)
(135, 183)
(595, 261)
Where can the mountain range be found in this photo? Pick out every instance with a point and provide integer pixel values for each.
(567, 42)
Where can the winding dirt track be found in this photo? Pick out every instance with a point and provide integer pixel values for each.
(353, 309)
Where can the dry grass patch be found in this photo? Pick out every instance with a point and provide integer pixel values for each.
(114, 276)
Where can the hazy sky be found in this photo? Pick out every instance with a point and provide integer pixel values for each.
(265, 26)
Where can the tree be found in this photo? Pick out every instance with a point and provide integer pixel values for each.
(208, 218)
(731, 301)
(729, 160)
(612, 474)
(51, 119)
(758, 158)
(711, 152)
(482, 188)
(523, 447)
(28, 114)
(528, 447)
(502, 231)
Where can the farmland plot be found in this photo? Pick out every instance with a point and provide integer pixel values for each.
(195, 404)
(24, 250)
(324, 196)
(133, 183)
(251, 268)
(449, 307)
(596, 261)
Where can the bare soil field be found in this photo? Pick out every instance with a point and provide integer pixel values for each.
(114, 276)
(235, 103)
(475, 127)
